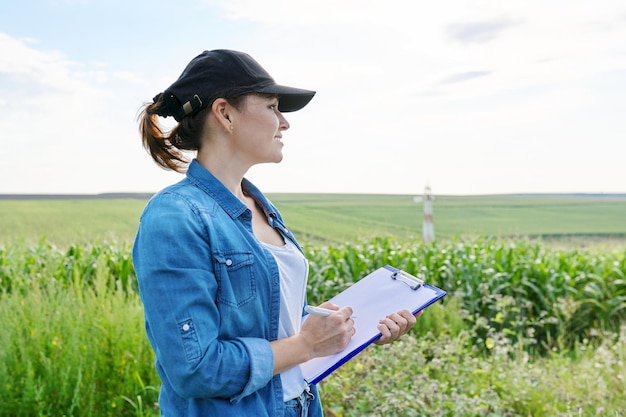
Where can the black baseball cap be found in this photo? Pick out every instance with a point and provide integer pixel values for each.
(224, 73)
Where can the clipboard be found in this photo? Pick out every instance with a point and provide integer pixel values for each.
(384, 291)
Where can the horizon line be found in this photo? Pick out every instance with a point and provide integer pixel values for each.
(145, 195)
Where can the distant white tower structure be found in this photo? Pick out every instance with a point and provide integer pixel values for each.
(428, 227)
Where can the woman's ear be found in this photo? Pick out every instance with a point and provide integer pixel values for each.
(223, 113)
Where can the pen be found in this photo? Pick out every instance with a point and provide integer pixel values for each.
(319, 311)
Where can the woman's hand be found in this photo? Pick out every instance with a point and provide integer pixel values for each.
(319, 336)
(331, 334)
(396, 325)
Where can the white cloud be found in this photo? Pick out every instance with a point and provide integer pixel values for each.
(407, 45)
(62, 122)
(47, 69)
(130, 77)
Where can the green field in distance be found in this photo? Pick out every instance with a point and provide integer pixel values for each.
(336, 218)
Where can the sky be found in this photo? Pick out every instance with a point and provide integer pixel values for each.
(467, 97)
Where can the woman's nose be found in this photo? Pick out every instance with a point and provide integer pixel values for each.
(284, 124)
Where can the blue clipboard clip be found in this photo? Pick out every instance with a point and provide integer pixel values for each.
(413, 282)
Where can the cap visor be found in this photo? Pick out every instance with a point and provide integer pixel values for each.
(289, 98)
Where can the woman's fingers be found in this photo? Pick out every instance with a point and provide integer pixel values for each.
(396, 325)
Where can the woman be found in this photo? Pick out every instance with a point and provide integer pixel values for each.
(221, 278)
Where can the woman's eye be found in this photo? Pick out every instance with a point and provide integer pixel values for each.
(273, 106)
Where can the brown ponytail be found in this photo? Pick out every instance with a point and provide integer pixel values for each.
(166, 148)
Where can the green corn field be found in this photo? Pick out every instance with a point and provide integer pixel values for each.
(526, 330)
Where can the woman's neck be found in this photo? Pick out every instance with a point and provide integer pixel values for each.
(227, 171)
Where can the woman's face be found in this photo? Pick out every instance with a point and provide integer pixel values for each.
(258, 129)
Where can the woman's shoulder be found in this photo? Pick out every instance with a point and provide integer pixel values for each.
(183, 195)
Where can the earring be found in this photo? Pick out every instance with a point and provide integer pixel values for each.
(232, 127)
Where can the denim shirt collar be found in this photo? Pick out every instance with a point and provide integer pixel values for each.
(206, 181)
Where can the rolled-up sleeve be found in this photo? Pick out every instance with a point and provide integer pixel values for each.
(261, 366)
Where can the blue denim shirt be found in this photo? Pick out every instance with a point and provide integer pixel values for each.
(211, 299)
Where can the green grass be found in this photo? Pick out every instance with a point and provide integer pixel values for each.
(69, 221)
(341, 216)
(73, 340)
(338, 218)
(444, 376)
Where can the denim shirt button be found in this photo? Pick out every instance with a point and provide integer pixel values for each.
(185, 327)
(229, 262)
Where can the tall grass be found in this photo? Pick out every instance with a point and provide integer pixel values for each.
(446, 375)
(525, 331)
(73, 341)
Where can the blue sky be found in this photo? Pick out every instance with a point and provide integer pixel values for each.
(470, 97)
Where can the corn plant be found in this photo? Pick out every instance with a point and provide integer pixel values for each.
(73, 341)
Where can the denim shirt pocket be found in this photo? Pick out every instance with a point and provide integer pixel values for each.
(235, 277)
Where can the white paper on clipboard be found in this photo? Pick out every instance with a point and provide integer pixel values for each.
(386, 290)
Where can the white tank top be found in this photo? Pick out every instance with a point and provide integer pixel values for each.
(293, 269)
